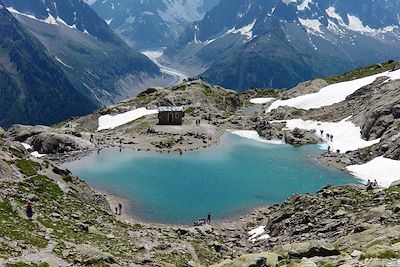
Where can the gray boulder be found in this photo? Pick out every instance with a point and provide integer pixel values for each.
(51, 143)
(22, 132)
(396, 111)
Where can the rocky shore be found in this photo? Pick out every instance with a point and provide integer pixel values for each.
(75, 226)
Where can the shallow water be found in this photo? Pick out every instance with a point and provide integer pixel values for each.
(226, 180)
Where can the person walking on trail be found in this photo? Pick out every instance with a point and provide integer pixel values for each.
(209, 218)
(29, 211)
(322, 132)
(120, 208)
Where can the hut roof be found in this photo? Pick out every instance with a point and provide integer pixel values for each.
(170, 109)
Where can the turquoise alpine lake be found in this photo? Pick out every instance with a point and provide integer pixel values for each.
(226, 180)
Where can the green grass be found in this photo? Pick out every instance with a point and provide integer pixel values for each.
(43, 187)
(189, 110)
(68, 178)
(17, 228)
(7, 251)
(386, 254)
(27, 167)
(17, 153)
(174, 257)
(206, 255)
(62, 123)
(361, 72)
(267, 93)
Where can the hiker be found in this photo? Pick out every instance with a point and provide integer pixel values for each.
(116, 210)
(120, 208)
(322, 132)
(327, 136)
(369, 185)
(375, 183)
(29, 211)
(329, 149)
(209, 218)
(331, 138)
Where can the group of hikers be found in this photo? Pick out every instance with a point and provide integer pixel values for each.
(203, 221)
(371, 185)
(329, 136)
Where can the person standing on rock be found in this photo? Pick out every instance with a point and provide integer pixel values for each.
(120, 208)
(209, 218)
(29, 211)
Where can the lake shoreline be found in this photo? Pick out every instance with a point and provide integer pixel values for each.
(113, 199)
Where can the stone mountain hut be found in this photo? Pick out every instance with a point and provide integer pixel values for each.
(170, 115)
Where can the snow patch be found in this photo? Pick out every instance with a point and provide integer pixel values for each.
(312, 25)
(258, 234)
(111, 122)
(355, 24)
(304, 5)
(384, 170)
(253, 135)
(62, 63)
(26, 146)
(331, 94)
(261, 100)
(246, 31)
(37, 154)
(346, 135)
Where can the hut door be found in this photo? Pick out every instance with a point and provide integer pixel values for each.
(170, 118)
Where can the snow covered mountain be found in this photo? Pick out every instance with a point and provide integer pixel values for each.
(33, 87)
(95, 59)
(279, 43)
(151, 23)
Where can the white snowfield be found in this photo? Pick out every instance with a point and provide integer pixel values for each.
(34, 153)
(26, 146)
(258, 234)
(253, 135)
(384, 170)
(37, 154)
(111, 122)
(261, 100)
(346, 135)
(331, 94)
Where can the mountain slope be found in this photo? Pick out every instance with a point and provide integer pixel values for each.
(33, 87)
(96, 60)
(280, 43)
(150, 24)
